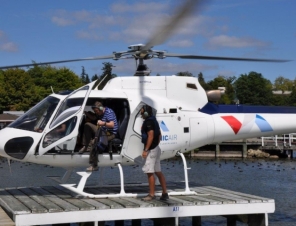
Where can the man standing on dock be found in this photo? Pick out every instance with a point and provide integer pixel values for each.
(151, 138)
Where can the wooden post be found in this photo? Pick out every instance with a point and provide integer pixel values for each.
(217, 152)
(119, 223)
(231, 221)
(196, 221)
(245, 151)
(136, 222)
(256, 220)
(250, 219)
(164, 221)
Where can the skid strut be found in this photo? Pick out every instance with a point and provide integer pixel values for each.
(82, 182)
(187, 189)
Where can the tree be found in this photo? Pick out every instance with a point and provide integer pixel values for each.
(202, 81)
(253, 89)
(84, 77)
(59, 79)
(222, 81)
(106, 75)
(94, 78)
(17, 91)
(20, 89)
(291, 100)
(185, 73)
(283, 84)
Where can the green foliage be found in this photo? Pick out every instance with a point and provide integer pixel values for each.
(17, 90)
(292, 98)
(94, 78)
(222, 81)
(280, 100)
(59, 79)
(84, 77)
(253, 89)
(282, 84)
(185, 73)
(202, 82)
(106, 75)
(20, 89)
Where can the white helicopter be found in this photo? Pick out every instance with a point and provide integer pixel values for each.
(187, 117)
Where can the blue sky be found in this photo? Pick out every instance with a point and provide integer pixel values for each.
(43, 31)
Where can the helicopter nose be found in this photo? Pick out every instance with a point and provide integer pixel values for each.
(14, 144)
(2, 143)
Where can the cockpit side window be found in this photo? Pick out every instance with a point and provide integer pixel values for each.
(70, 106)
(60, 131)
(37, 117)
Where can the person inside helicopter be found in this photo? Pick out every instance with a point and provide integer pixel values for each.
(102, 118)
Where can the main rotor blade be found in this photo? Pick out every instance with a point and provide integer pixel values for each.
(196, 57)
(58, 62)
(163, 33)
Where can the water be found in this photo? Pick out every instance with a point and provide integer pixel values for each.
(263, 177)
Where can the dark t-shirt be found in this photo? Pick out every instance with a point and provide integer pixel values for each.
(151, 124)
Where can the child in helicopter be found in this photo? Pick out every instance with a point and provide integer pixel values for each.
(103, 118)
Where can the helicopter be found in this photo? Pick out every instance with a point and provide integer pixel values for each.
(184, 110)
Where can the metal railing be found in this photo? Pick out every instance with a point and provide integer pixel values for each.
(285, 139)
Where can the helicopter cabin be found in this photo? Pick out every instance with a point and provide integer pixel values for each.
(168, 95)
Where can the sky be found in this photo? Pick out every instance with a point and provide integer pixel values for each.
(43, 31)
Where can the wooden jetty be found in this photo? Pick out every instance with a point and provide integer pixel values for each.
(58, 205)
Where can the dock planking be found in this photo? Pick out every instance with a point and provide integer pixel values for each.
(56, 204)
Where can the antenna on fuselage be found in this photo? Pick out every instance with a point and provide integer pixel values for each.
(97, 86)
(9, 165)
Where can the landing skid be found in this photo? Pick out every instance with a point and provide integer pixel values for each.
(84, 175)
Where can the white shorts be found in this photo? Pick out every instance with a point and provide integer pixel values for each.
(152, 162)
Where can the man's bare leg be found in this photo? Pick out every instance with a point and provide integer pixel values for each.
(151, 181)
(162, 181)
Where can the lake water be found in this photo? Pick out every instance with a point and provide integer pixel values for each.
(274, 179)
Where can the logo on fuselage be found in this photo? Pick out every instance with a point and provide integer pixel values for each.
(248, 123)
(167, 138)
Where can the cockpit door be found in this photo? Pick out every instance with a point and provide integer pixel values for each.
(132, 146)
(62, 131)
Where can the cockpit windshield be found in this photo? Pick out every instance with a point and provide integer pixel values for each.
(37, 117)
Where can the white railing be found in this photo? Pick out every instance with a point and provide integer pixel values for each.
(285, 139)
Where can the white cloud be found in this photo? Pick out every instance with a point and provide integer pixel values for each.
(9, 47)
(138, 7)
(89, 35)
(62, 18)
(132, 23)
(61, 21)
(6, 45)
(222, 41)
(181, 43)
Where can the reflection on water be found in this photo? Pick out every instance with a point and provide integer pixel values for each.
(267, 178)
